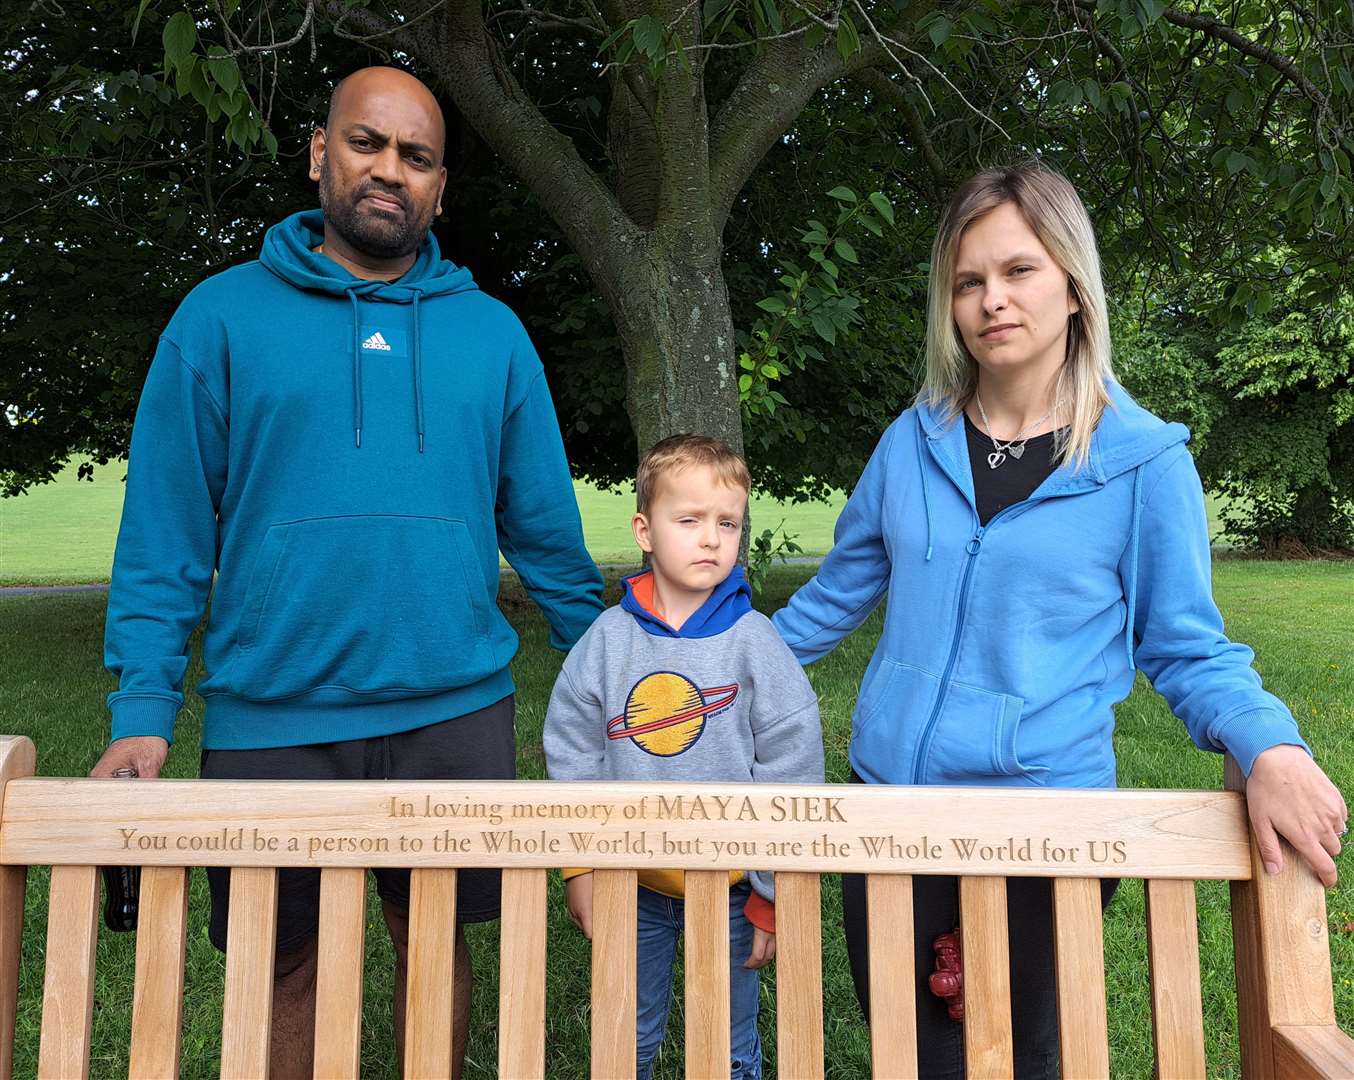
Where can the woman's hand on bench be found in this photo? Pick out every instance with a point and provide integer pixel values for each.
(1287, 794)
(144, 753)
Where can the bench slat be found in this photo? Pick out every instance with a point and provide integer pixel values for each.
(338, 981)
(432, 966)
(987, 977)
(157, 999)
(707, 974)
(18, 758)
(13, 882)
(68, 989)
(893, 977)
(614, 931)
(799, 976)
(521, 975)
(1083, 1025)
(251, 937)
(1173, 959)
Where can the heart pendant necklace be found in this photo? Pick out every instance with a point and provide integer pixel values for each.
(1016, 446)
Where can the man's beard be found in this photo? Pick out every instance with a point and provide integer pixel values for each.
(373, 234)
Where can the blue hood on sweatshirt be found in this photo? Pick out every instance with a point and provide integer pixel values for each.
(1006, 646)
(730, 601)
(289, 252)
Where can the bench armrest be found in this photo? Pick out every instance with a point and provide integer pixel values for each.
(1313, 1050)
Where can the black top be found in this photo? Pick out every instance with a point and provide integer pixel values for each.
(1015, 478)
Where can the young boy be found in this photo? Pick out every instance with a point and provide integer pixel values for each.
(684, 681)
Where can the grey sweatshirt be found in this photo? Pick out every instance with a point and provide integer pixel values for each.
(733, 706)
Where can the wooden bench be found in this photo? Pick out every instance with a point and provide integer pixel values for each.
(1285, 1002)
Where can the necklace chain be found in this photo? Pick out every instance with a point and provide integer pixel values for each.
(1014, 446)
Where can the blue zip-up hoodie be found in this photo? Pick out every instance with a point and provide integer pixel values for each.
(349, 456)
(1006, 647)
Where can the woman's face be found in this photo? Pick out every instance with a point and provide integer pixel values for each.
(1011, 300)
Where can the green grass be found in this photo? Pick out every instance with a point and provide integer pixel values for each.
(63, 533)
(1296, 615)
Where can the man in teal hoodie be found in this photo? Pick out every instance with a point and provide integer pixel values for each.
(345, 433)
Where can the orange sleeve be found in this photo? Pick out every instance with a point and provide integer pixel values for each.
(760, 912)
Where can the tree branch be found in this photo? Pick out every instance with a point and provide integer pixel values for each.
(465, 62)
(879, 84)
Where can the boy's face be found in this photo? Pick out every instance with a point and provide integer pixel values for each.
(692, 528)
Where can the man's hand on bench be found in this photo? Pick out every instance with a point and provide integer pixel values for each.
(1287, 794)
(144, 753)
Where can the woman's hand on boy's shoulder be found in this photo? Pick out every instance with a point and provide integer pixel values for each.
(1288, 795)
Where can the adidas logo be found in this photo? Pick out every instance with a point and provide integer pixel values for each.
(376, 341)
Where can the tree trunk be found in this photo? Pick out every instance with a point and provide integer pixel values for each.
(672, 313)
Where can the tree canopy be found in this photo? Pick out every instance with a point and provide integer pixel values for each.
(645, 181)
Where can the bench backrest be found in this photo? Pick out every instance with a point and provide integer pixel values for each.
(1171, 839)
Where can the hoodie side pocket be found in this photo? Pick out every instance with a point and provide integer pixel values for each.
(974, 740)
(371, 604)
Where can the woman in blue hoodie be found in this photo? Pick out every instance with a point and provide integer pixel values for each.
(1041, 537)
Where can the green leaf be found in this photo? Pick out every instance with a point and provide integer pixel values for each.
(648, 37)
(713, 10)
(848, 40)
(882, 205)
(824, 329)
(871, 224)
(842, 194)
(1328, 187)
(180, 35)
(830, 267)
(270, 142)
(770, 371)
(744, 383)
(773, 304)
(939, 30)
(136, 23)
(773, 19)
(747, 363)
(1091, 89)
(845, 250)
(225, 73)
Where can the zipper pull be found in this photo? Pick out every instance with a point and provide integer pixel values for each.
(975, 545)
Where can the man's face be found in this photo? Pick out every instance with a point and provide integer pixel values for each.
(379, 164)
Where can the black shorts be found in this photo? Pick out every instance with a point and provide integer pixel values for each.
(477, 746)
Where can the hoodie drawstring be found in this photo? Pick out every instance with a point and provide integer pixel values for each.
(925, 488)
(1131, 585)
(417, 359)
(357, 370)
(418, 374)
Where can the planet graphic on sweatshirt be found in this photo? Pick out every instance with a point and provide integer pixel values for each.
(665, 712)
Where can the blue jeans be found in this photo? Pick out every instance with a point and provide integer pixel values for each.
(660, 925)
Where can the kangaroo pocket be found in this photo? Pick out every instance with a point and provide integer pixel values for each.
(375, 604)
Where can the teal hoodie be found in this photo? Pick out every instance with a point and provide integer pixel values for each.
(348, 457)
(1006, 646)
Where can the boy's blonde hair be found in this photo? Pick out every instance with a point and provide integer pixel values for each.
(1054, 212)
(678, 452)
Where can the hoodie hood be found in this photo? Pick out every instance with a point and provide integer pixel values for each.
(288, 251)
(1126, 436)
(730, 600)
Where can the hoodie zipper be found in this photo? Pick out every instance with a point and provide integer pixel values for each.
(974, 546)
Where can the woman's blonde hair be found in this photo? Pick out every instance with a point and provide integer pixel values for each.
(1054, 211)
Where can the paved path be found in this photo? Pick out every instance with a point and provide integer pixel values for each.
(56, 590)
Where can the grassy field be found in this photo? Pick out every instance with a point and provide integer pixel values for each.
(63, 533)
(1296, 615)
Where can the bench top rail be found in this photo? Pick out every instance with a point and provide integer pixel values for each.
(819, 828)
